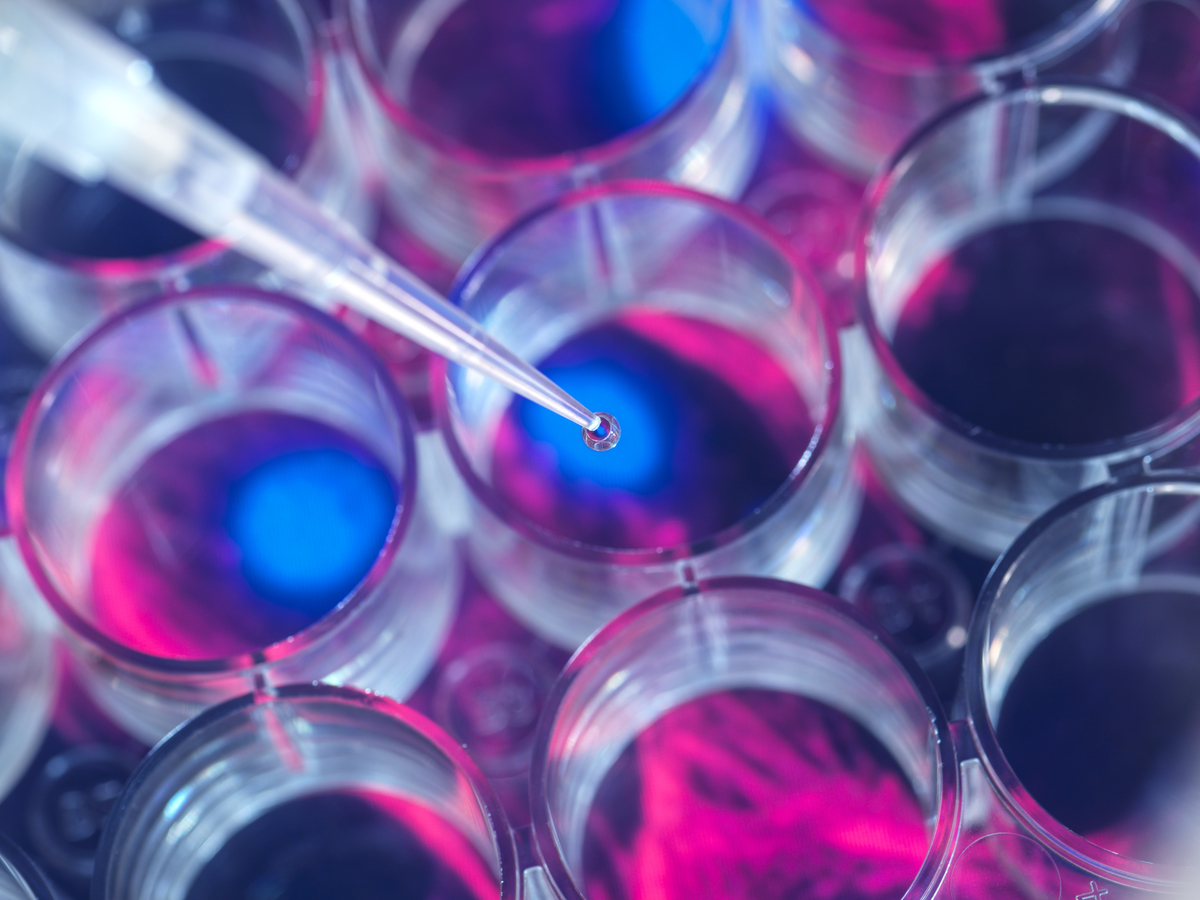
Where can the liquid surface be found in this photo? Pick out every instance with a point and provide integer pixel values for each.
(237, 534)
(1053, 332)
(529, 78)
(360, 846)
(59, 217)
(940, 30)
(753, 795)
(711, 427)
(1102, 723)
(604, 436)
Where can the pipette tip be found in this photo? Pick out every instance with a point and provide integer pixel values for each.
(604, 434)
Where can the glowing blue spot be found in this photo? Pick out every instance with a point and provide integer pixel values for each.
(640, 461)
(655, 52)
(663, 50)
(309, 526)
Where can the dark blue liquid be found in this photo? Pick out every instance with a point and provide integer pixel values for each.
(945, 31)
(1102, 722)
(1027, 20)
(351, 846)
(237, 534)
(1054, 332)
(59, 217)
(541, 77)
(753, 795)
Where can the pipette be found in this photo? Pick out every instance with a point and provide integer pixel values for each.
(88, 105)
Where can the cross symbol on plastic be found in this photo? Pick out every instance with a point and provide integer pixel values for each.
(1096, 893)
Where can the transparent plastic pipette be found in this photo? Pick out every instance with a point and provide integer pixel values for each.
(88, 105)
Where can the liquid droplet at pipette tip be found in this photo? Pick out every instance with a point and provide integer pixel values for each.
(605, 435)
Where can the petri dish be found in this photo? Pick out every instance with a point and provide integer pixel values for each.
(1080, 680)
(746, 738)
(1031, 320)
(318, 789)
(243, 507)
(682, 317)
(484, 110)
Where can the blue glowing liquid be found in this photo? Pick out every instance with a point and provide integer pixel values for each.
(711, 427)
(238, 534)
(304, 523)
(529, 78)
(357, 846)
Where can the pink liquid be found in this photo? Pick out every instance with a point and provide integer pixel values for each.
(758, 795)
(711, 427)
(237, 534)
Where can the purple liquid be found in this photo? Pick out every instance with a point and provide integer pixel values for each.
(529, 78)
(711, 427)
(1054, 332)
(758, 795)
(1102, 722)
(59, 217)
(237, 534)
(358, 846)
(950, 31)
